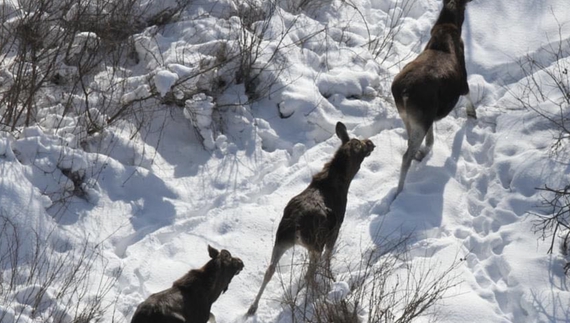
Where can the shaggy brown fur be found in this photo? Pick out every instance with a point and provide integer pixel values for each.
(428, 88)
(190, 298)
(313, 218)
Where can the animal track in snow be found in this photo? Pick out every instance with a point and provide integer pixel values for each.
(487, 178)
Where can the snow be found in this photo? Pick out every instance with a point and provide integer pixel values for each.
(163, 80)
(152, 200)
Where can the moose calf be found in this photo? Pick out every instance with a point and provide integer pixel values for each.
(428, 88)
(190, 298)
(313, 218)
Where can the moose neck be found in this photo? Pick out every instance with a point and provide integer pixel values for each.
(337, 173)
(215, 287)
(203, 281)
(451, 14)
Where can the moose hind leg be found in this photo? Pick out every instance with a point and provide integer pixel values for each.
(278, 251)
(416, 134)
(469, 107)
(422, 152)
(329, 249)
(311, 274)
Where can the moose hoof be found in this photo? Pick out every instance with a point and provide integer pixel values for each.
(252, 310)
(471, 112)
(420, 155)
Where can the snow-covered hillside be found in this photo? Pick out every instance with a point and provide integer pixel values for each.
(147, 202)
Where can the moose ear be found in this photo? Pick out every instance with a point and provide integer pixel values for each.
(213, 252)
(341, 132)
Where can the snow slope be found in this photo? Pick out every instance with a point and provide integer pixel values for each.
(157, 201)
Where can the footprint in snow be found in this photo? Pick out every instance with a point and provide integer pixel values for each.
(382, 207)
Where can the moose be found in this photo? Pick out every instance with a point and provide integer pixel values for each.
(313, 218)
(428, 88)
(190, 298)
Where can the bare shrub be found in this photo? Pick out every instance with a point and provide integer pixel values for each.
(384, 285)
(381, 45)
(50, 283)
(545, 90)
(53, 49)
(556, 224)
(245, 67)
(545, 87)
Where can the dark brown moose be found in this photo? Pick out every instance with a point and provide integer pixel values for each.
(428, 88)
(190, 298)
(313, 218)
